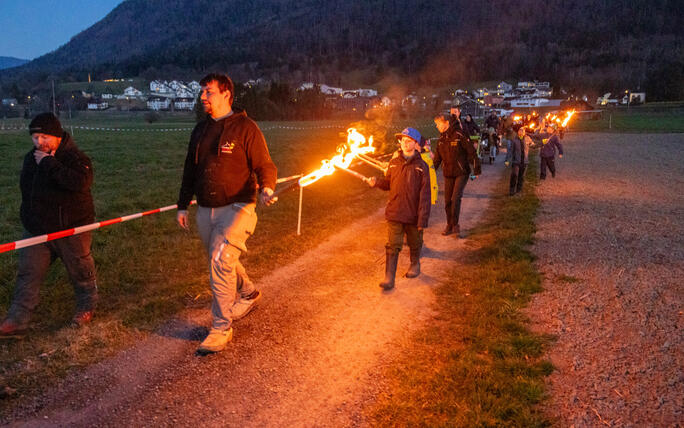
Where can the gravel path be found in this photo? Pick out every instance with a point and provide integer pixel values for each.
(309, 356)
(610, 243)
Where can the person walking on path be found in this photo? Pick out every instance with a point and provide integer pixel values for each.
(55, 186)
(518, 157)
(455, 154)
(408, 209)
(550, 142)
(227, 162)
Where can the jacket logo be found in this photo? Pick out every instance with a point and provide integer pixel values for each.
(227, 147)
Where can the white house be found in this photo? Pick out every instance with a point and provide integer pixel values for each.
(98, 105)
(504, 87)
(107, 96)
(528, 102)
(306, 86)
(195, 87)
(158, 103)
(329, 90)
(367, 93)
(184, 103)
(132, 92)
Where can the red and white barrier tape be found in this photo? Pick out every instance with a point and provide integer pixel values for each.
(75, 231)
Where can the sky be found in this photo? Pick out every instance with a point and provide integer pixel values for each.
(31, 28)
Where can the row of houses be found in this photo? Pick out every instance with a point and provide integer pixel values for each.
(525, 94)
(162, 95)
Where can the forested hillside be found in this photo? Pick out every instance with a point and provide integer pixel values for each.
(583, 43)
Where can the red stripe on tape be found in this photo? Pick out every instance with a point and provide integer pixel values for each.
(60, 234)
(8, 247)
(108, 222)
(151, 212)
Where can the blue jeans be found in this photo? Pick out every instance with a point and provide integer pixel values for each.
(34, 261)
(224, 232)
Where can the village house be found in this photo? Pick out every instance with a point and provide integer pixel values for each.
(184, 103)
(157, 103)
(97, 104)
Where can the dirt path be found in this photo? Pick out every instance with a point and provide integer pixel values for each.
(309, 356)
(610, 242)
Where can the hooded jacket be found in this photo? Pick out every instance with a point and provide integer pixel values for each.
(55, 194)
(455, 153)
(408, 181)
(549, 144)
(226, 161)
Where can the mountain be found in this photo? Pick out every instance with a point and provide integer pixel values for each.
(582, 43)
(9, 62)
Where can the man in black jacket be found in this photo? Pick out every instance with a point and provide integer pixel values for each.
(227, 162)
(455, 153)
(408, 208)
(55, 195)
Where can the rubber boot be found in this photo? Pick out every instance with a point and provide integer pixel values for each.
(392, 257)
(414, 269)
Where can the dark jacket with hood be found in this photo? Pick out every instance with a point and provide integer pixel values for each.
(226, 161)
(455, 153)
(549, 144)
(408, 181)
(55, 194)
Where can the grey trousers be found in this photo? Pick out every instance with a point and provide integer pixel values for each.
(34, 262)
(224, 232)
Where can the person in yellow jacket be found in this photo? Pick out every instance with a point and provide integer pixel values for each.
(426, 154)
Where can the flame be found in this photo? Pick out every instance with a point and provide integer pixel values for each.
(517, 118)
(567, 118)
(356, 144)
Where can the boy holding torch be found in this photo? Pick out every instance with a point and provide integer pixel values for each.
(408, 209)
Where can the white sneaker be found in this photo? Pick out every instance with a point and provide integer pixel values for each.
(216, 341)
(244, 306)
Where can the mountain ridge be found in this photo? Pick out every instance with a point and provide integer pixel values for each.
(594, 44)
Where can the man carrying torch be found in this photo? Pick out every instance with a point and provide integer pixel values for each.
(408, 209)
(227, 162)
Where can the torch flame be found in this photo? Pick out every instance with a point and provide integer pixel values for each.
(567, 119)
(356, 144)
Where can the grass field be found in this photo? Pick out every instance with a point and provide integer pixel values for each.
(649, 118)
(148, 269)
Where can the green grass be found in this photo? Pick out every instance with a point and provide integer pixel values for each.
(659, 119)
(477, 364)
(149, 269)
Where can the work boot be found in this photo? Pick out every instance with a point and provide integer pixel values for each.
(9, 329)
(392, 257)
(448, 230)
(414, 269)
(245, 305)
(216, 341)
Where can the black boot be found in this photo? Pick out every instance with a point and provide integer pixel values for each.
(449, 230)
(414, 269)
(390, 269)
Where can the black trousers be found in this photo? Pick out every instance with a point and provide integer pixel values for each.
(453, 192)
(517, 178)
(542, 167)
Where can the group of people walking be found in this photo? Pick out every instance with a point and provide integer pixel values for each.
(228, 169)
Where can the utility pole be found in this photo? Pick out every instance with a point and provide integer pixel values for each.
(54, 108)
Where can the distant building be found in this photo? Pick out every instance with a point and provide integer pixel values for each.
(97, 104)
(184, 103)
(158, 103)
(132, 92)
(9, 102)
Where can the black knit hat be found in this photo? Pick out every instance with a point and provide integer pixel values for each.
(46, 123)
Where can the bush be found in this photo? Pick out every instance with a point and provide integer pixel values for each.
(152, 116)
